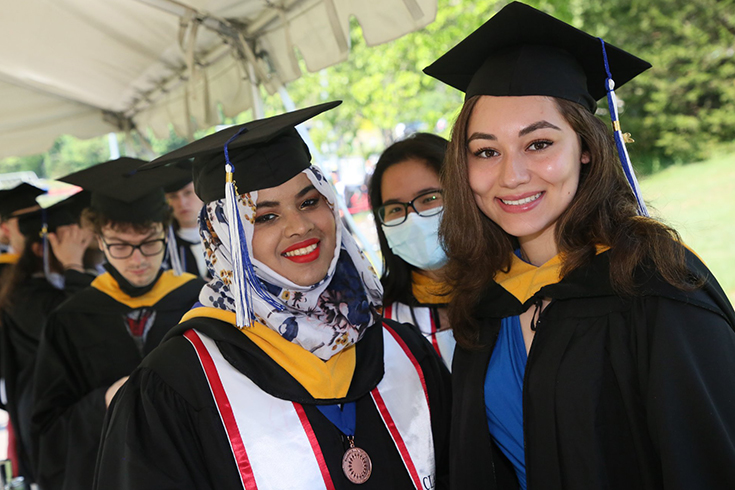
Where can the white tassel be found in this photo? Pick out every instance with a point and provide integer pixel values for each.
(239, 287)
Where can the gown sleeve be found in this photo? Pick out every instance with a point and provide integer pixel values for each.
(150, 440)
(67, 416)
(688, 385)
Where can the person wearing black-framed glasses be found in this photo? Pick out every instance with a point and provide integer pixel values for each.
(427, 204)
(93, 341)
(408, 200)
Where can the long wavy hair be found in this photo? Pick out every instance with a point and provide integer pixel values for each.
(602, 212)
(28, 264)
(430, 149)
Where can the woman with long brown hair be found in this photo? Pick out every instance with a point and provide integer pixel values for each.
(41, 279)
(594, 349)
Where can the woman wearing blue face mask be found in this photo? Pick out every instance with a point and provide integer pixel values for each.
(407, 200)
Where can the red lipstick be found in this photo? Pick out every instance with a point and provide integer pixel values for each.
(302, 259)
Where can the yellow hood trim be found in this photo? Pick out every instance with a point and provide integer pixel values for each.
(523, 280)
(324, 380)
(165, 284)
(428, 291)
(9, 258)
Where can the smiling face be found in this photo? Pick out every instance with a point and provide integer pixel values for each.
(138, 269)
(295, 233)
(185, 205)
(523, 163)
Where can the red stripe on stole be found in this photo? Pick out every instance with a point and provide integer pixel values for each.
(388, 312)
(413, 360)
(314, 445)
(397, 439)
(434, 342)
(225, 411)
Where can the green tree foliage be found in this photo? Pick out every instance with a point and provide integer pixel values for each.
(683, 109)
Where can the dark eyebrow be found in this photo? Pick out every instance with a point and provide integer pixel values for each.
(418, 193)
(122, 242)
(535, 126)
(481, 136)
(268, 204)
(275, 204)
(305, 191)
(528, 129)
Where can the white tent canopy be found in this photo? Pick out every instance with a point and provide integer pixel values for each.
(88, 67)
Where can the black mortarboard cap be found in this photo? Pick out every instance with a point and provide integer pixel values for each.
(266, 153)
(64, 212)
(122, 193)
(178, 175)
(19, 197)
(523, 51)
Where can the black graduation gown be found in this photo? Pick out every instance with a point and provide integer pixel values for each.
(85, 348)
(619, 393)
(20, 334)
(165, 431)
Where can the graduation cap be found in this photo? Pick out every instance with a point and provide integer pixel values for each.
(264, 153)
(178, 176)
(20, 197)
(522, 51)
(35, 224)
(256, 155)
(122, 193)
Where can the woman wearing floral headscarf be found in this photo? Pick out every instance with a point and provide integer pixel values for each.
(315, 392)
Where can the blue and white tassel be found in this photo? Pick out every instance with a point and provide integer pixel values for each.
(244, 281)
(173, 251)
(612, 102)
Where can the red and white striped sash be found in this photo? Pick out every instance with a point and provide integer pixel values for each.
(265, 431)
(443, 341)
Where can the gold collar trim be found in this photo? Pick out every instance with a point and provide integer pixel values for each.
(324, 380)
(165, 284)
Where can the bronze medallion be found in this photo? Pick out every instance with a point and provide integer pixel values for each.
(356, 465)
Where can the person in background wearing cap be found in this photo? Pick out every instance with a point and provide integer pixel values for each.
(44, 276)
(186, 206)
(594, 349)
(284, 376)
(93, 341)
(407, 201)
(15, 201)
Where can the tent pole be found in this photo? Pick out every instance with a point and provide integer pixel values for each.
(258, 109)
(289, 105)
(113, 146)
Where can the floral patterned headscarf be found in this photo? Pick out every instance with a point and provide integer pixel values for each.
(323, 318)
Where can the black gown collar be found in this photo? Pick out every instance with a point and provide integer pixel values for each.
(126, 287)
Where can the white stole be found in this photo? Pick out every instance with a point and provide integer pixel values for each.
(443, 340)
(265, 431)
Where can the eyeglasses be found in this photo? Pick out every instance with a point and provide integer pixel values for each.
(427, 204)
(125, 250)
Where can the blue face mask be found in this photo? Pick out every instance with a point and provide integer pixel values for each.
(416, 241)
